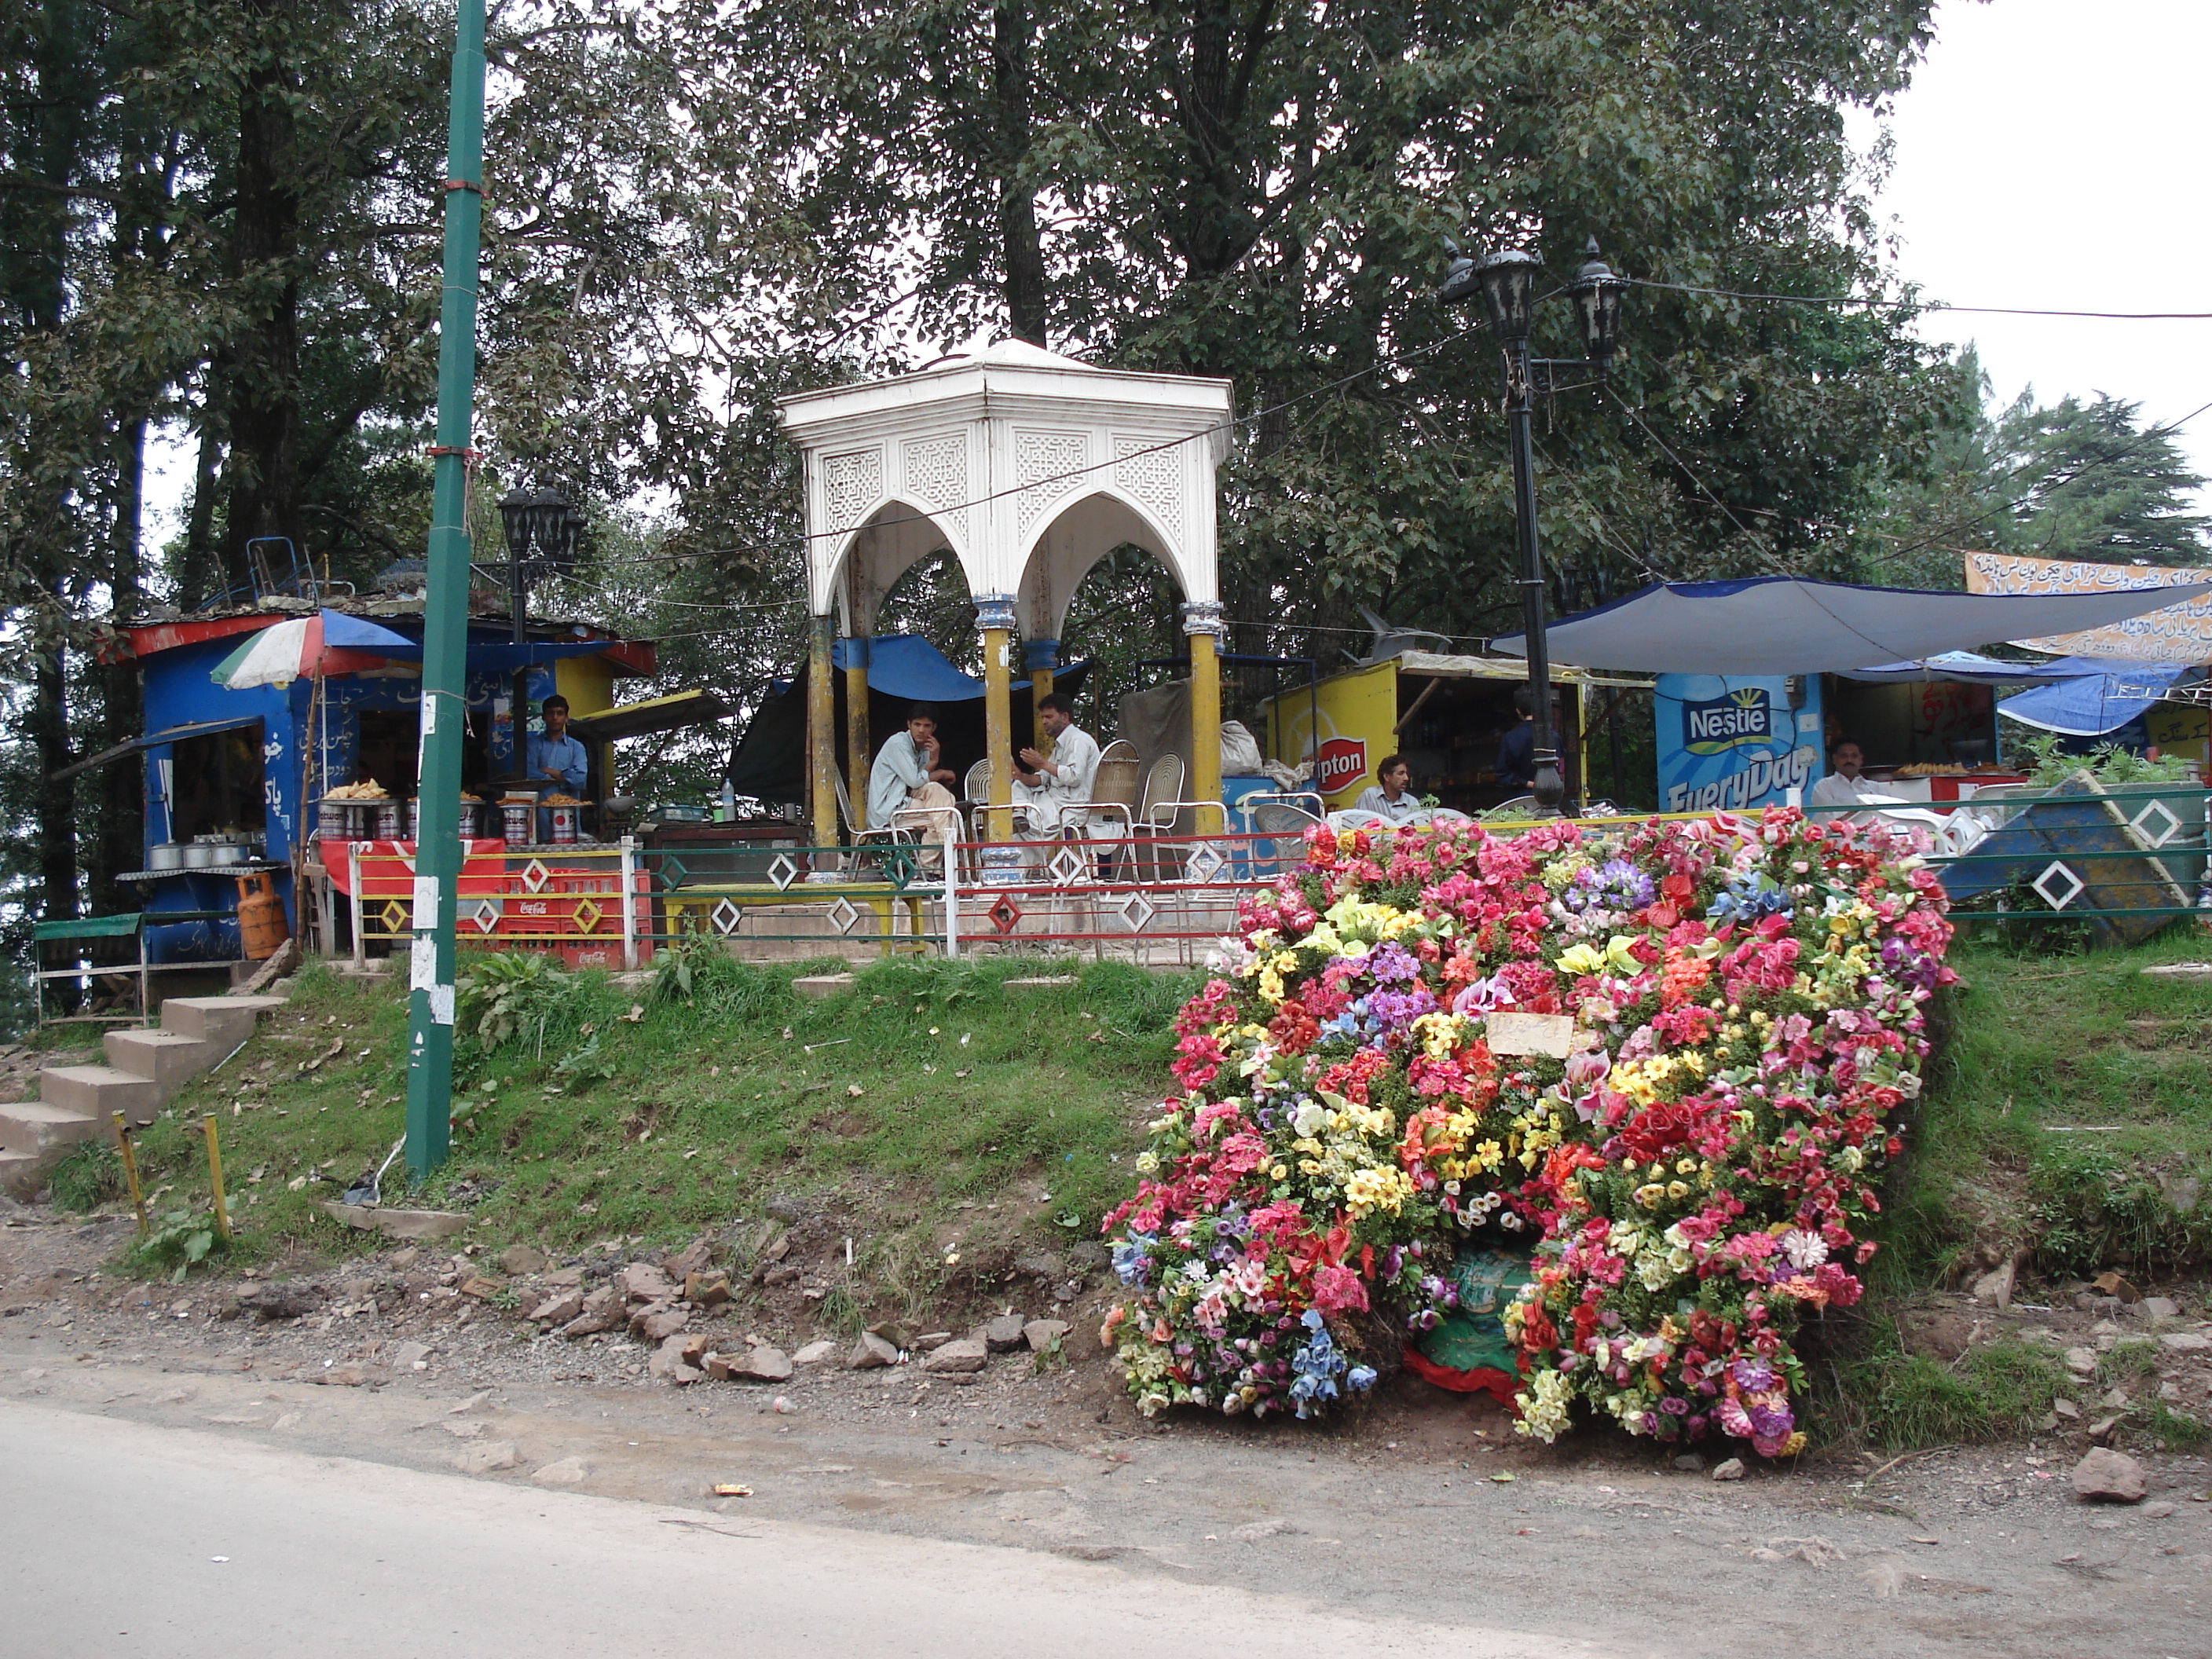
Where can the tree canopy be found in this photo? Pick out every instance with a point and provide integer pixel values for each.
(220, 218)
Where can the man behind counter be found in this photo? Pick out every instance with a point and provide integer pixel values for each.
(1392, 798)
(1844, 786)
(555, 757)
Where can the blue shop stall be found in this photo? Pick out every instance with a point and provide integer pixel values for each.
(1758, 678)
(233, 772)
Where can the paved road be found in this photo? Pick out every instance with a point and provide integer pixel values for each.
(123, 1539)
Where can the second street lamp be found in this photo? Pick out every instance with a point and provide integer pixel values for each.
(541, 529)
(1506, 279)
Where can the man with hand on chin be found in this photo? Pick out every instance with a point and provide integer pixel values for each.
(906, 785)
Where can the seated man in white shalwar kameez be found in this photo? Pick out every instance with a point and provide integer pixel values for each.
(1045, 786)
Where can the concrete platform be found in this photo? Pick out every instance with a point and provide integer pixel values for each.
(36, 1127)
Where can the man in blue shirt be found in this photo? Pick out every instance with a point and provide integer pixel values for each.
(1516, 750)
(556, 759)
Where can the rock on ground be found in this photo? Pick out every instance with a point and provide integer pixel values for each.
(871, 1352)
(707, 1288)
(642, 1282)
(674, 1359)
(559, 1310)
(761, 1365)
(956, 1357)
(1042, 1334)
(814, 1354)
(658, 1322)
(1732, 1469)
(2110, 1477)
(569, 1471)
(519, 1261)
(693, 1258)
(1003, 1334)
(486, 1458)
(290, 1300)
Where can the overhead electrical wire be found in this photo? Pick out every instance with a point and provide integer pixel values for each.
(1879, 302)
(1231, 424)
(801, 537)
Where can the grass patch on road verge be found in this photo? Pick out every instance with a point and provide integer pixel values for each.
(926, 1091)
(2068, 1113)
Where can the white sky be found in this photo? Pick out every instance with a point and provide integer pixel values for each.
(2050, 155)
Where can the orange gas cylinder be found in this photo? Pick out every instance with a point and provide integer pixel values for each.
(261, 927)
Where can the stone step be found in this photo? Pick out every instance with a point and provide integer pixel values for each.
(224, 1021)
(170, 1058)
(35, 1127)
(22, 1174)
(99, 1092)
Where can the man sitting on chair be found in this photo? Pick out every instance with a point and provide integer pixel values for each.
(1045, 786)
(906, 785)
(1392, 798)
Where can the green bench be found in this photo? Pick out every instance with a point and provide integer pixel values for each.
(130, 925)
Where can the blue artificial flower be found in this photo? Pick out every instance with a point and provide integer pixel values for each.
(1750, 901)
(1616, 884)
(1316, 1366)
(1132, 1260)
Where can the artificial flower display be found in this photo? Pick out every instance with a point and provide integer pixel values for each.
(1738, 1011)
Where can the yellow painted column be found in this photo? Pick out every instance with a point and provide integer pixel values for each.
(857, 758)
(994, 618)
(1201, 624)
(1040, 657)
(821, 732)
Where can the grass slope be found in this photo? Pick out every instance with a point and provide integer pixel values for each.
(2069, 1114)
(929, 1103)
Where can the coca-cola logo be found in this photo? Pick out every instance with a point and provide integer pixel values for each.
(1341, 761)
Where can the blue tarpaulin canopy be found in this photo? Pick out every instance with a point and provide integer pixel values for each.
(2098, 694)
(1966, 667)
(908, 665)
(1782, 625)
(359, 634)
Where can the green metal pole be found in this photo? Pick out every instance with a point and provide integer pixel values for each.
(444, 624)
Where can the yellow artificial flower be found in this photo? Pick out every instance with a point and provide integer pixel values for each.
(1376, 1189)
(1580, 959)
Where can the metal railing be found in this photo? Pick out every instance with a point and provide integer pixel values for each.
(1153, 898)
(2127, 858)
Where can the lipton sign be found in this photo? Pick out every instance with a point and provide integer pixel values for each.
(1341, 763)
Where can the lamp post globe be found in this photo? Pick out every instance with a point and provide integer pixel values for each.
(563, 555)
(549, 518)
(1596, 293)
(1508, 279)
(514, 521)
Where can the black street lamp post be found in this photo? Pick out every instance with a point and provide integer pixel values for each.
(1506, 279)
(541, 529)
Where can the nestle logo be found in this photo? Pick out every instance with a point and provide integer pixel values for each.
(1339, 762)
(1734, 721)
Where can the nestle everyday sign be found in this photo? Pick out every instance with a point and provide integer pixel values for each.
(1733, 744)
(1741, 719)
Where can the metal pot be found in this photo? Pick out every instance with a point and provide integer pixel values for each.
(165, 855)
(200, 854)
